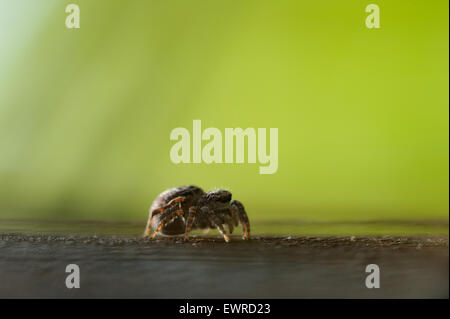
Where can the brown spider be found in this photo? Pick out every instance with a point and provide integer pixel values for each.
(178, 210)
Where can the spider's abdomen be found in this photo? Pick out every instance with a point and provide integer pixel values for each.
(191, 196)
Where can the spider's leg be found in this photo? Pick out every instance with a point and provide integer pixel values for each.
(217, 220)
(223, 232)
(234, 216)
(169, 205)
(228, 222)
(148, 228)
(238, 209)
(225, 216)
(190, 221)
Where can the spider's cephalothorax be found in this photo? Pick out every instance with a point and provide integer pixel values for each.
(178, 210)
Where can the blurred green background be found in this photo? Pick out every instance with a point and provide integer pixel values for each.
(85, 115)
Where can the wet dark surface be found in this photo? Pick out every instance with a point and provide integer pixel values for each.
(33, 266)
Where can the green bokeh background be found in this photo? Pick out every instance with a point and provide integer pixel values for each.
(85, 115)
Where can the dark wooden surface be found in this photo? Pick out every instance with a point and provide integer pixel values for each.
(33, 266)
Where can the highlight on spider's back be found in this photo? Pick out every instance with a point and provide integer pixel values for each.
(179, 210)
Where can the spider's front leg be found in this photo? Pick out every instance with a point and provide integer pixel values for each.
(168, 207)
(219, 226)
(238, 210)
(217, 218)
(213, 218)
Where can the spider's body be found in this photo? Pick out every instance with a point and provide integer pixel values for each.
(178, 210)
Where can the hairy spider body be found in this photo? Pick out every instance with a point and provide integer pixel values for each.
(178, 210)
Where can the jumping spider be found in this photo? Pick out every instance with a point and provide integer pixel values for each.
(178, 210)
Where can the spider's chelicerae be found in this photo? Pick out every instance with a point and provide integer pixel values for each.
(178, 210)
